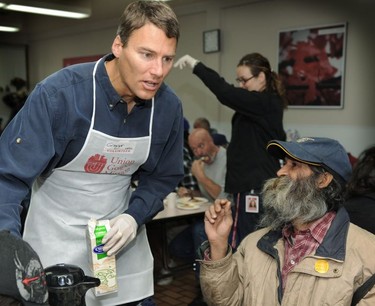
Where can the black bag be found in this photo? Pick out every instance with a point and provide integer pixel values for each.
(362, 291)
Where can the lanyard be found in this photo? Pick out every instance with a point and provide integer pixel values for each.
(234, 244)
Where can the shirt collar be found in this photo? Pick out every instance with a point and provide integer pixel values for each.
(318, 228)
(102, 77)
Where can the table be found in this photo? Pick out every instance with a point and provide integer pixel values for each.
(172, 214)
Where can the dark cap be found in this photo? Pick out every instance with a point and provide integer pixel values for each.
(22, 273)
(316, 151)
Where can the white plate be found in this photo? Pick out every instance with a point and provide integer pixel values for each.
(195, 201)
(187, 206)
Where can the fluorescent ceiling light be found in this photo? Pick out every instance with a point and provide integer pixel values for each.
(8, 29)
(45, 8)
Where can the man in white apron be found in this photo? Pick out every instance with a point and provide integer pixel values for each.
(84, 134)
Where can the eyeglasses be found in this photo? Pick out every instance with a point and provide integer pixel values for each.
(244, 81)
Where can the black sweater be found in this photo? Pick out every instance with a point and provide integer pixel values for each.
(257, 119)
(361, 209)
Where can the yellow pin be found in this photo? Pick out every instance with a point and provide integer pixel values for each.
(321, 266)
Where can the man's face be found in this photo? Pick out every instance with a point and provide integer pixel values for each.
(294, 169)
(203, 147)
(295, 196)
(143, 63)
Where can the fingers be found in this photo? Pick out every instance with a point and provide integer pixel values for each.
(184, 61)
(182, 192)
(113, 237)
(115, 243)
(180, 63)
(221, 207)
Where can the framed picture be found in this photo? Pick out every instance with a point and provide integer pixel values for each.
(211, 41)
(311, 64)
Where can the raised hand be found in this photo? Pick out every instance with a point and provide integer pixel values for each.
(186, 60)
(218, 223)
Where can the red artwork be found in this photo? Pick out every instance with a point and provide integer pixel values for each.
(80, 59)
(311, 65)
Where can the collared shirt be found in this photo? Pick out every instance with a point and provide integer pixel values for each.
(51, 129)
(189, 181)
(298, 244)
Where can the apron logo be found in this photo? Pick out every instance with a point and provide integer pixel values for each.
(95, 163)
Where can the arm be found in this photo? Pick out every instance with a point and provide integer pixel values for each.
(221, 275)
(218, 223)
(249, 103)
(164, 169)
(188, 186)
(27, 148)
(208, 184)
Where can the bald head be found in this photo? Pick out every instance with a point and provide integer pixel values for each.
(200, 134)
(202, 144)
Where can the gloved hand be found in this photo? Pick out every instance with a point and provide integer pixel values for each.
(186, 60)
(123, 230)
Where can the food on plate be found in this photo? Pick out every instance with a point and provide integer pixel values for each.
(193, 201)
(187, 204)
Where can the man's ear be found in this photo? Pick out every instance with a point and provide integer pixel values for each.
(117, 46)
(324, 179)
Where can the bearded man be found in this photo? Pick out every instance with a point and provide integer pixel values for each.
(306, 252)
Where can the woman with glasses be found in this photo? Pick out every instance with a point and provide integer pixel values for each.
(258, 101)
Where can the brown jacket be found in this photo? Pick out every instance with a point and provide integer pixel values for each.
(252, 276)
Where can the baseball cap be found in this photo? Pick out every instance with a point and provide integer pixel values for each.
(22, 273)
(316, 151)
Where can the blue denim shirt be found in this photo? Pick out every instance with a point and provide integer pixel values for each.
(51, 128)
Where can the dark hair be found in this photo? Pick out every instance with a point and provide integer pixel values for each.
(203, 123)
(257, 64)
(138, 13)
(333, 193)
(362, 180)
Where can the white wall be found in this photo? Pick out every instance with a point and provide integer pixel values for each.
(12, 64)
(248, 26)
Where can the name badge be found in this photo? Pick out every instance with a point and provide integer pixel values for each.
(252, 203)
(122, 147)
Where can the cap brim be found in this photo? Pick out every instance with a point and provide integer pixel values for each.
(282, 149)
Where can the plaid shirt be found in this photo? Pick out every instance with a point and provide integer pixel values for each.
(298, 244)
(189, 181)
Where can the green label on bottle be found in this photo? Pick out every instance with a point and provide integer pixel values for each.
(99, 232)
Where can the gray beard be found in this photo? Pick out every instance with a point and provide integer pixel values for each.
(287, 201)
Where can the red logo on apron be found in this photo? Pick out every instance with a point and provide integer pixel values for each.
(95, 164)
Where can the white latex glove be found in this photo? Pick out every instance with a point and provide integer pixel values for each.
(186, 60)
(123, 230)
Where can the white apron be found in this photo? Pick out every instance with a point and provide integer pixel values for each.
(95, 184)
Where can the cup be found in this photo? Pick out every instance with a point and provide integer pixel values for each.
(170, 200)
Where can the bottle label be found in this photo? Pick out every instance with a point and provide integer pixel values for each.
(99, 232)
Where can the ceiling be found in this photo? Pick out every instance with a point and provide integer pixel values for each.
(102, 11)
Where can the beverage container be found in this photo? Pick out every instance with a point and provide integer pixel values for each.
(170, 200)
(102, 265)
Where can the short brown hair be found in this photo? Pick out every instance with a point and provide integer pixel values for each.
(138, 13)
